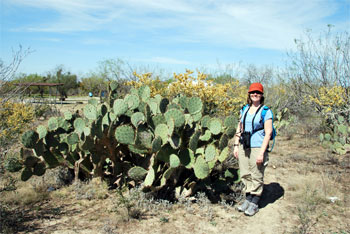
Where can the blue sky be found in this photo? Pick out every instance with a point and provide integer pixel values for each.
(173, 35)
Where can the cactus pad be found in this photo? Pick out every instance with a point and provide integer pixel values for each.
(171, 126)
(175, 141)
(113, 85)
(187, 158)
(162, 130)
(73, 138)
(210, 153)
(163, 105)
(230, 131)
(53, 124)
(63, 124)
(173, 105)
(137, 173)
(79, 125)
(87, 131)
(194, 140)
(215, 126)
(88, 144)
(26, 174)
(158, 119)
(138, 150)
(230, 121)
(144, 93)
(223, 141)
(90, 112)
(137, 118)
(42, 131)
(106, 121)
(196, 117)
(151, 175)
(168, 173)
(31, 161)
(68, 115)
(158, 98)
(153, 106)
(177, 115)
(132, 101)
(174, 161)
(156, 144)
(183, 101)
(194, 105)
(144, 137)
(119, 107)
(39, 148)
(125, 134)
(205, 121)
(189, 119)
(102, 109)
(112, 116)
(39, 169)
(165, 152)
(201, 168)
(30, 138)
(200, 151)
(13, 165)
(223, 155)
(206, 136)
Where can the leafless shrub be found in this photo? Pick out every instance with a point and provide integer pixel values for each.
(7, 72)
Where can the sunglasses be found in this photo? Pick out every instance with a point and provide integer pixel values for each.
(255, 92)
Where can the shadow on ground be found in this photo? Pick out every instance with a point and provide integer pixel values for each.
(27, 219)
(271, 193)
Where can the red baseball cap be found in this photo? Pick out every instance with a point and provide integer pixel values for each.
(256, 87)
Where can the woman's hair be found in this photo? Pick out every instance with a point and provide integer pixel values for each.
(249, 101)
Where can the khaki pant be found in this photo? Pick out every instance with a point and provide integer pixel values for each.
(252, 174)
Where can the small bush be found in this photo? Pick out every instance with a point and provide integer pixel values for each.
(15, 119)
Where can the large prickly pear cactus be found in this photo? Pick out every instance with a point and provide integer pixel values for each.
(338, 140)
(149, 140)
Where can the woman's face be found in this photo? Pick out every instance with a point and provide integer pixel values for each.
(255, 96)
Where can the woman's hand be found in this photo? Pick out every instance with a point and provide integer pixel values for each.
(260, 158)
(235, 151)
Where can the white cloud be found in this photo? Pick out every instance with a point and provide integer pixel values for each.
(166, 60)
(269, 24)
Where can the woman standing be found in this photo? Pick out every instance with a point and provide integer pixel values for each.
(250, 147)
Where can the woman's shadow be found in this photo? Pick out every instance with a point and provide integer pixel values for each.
(271, 193)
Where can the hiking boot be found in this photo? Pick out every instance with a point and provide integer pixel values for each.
(252, 209)
(243, 206)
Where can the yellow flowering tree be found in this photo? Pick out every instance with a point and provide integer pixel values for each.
(330, 100)
(156, 85)
(15, 119)
(221, 99)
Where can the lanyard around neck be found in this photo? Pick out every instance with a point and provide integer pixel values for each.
(245, 116)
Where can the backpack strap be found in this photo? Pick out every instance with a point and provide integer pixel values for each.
(245, 116)
(262, 120)
(263, 113)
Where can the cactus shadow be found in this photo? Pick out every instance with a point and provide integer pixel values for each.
(271, 193)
